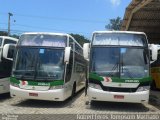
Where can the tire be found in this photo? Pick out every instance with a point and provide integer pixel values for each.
(92, 102)
(73, 90)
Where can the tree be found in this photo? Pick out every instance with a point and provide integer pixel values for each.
(115, 24)
(15, 36)
(3, 33)
(80, 39)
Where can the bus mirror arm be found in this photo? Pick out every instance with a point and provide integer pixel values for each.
(154, 52)
(67, 54)
(8, 51)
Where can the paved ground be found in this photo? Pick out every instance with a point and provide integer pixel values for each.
(75, 106)
(155, 98)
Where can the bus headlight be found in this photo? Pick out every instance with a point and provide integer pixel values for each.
(14, 84)
(56, 87)
(143, 88)
(96, 86)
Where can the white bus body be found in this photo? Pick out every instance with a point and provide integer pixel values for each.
(48, 66)
(118, 67)
(5, 64)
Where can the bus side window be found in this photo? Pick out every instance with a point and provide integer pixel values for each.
(78, 49)
(79, 68)
(11, 52)
(71, 43)
(1, 41)
(8, 41)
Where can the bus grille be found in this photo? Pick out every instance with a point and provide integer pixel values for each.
(114, 89)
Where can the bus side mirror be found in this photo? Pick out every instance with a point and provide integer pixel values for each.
(8, 51)
(86, 50)
(154, 52)
(67, 54)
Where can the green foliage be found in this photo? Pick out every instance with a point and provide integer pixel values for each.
(115, 24)
(15, 36)
(80, 39)
(3, 33)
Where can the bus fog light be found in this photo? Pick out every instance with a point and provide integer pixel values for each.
(56, 87)
(96, 86)
(143, 88)
(14, 84)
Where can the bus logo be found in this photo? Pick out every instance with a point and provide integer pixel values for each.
(23, 83)
(107, 79)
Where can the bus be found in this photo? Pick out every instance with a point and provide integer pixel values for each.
(5, 64)
(155, 70)
(119, 63)
(47, 66)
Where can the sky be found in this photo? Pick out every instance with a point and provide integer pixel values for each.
(64, 16)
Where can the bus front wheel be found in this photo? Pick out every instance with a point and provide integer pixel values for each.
(73, 90)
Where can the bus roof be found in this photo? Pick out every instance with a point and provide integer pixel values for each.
(112, 41)
(47, 33)
(128, 32)
(52, 33)
(7, 37)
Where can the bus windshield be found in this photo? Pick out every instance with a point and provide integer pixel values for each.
(134, 63)
(104, 61)
(120, 62)
(42, 40)
(39, 64)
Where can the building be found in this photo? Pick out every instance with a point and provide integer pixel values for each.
(143, 16)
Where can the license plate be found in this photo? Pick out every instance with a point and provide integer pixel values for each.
(33, 94)
(118, 96)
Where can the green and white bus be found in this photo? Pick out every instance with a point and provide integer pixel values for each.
(118, 67)
(5, 64)
(47, 66)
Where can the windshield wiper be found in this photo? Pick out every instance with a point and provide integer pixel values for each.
(130, 75)
(44, 78)
(113, 68)
(45, 75)
(26, 74)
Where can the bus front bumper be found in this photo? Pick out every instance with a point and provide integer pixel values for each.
(51, 95)
(100, 95)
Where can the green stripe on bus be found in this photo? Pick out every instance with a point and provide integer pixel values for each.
(14, 80)
(57, 82)
(132, 80)
(35, 83)
(94, 76)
